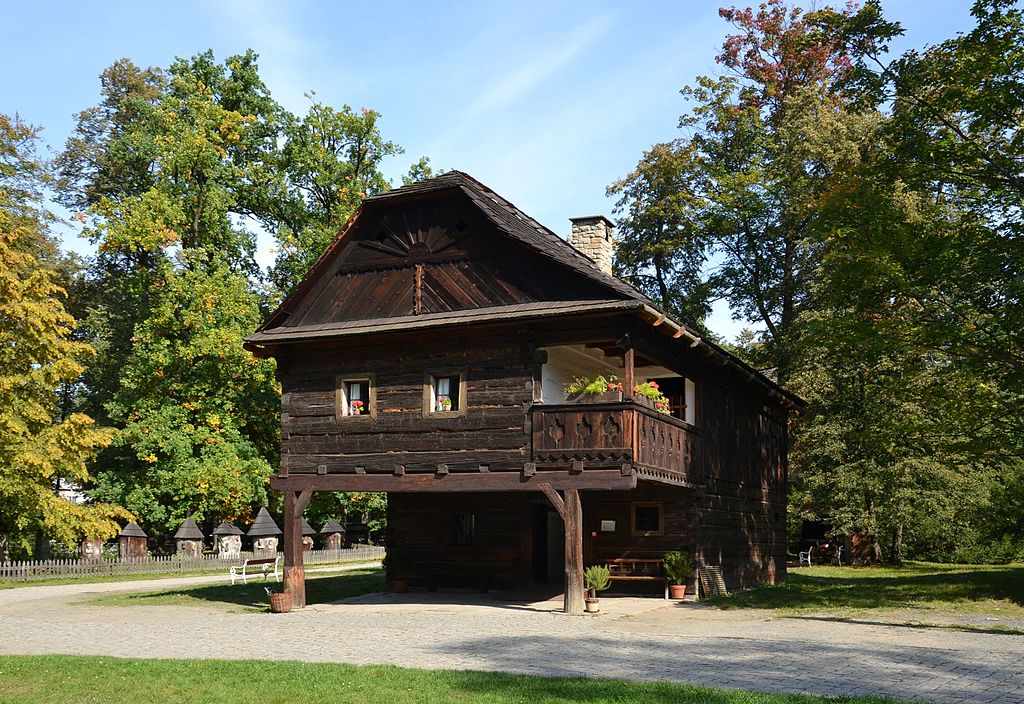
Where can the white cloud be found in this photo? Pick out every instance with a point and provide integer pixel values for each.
(509, 90)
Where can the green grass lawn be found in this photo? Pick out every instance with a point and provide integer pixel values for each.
(319, 590)
(71, 680)
(947, 589)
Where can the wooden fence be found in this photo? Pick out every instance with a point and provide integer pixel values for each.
(165, 564)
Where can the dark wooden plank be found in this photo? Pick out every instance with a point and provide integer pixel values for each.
(605, 480)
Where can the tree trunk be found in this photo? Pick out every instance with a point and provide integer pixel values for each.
(897, 545)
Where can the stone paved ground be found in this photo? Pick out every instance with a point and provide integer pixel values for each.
(634, 638)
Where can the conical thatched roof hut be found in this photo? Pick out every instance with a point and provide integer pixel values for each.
(132, 530)
(264, 525)
(227, 528)
(332, 526)
(189, 531)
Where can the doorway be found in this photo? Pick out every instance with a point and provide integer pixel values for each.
(548, 550)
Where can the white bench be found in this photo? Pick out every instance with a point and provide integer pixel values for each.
(257, 565)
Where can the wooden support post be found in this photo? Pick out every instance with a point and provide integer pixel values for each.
(628, 380)
(573, 519)
(295, 503)
(571, 512)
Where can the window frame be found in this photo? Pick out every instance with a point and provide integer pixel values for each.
(634, 505)
(341, 404)
(469, 522)
(430, 396)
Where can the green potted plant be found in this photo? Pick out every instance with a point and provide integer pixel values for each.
(678, 567)
(596, 578)
(584, 389)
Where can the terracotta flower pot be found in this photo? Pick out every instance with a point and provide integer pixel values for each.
(400, 586)
(280, 602)
(591, 606)
(676, 591)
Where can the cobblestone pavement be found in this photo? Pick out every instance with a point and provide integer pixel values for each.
(635, 638)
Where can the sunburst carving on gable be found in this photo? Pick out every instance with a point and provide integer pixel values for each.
(414, 234)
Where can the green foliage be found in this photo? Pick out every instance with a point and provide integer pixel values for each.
(367, 507)
(168, 173)
(740, 188)
(42, 448)
(198, 411)
(911, 358)
(866, 216)
(597, 577)
(598, 385)
(678, 566)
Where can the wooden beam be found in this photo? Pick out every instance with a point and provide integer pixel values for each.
(294, 570)
(573, 520)
(303, 501)
(590, 479)
(553, 497)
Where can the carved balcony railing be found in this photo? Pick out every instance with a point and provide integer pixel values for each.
(624, 434)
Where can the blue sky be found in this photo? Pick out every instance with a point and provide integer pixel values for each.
(546, 102)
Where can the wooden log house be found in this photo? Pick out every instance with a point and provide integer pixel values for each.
(425, 355)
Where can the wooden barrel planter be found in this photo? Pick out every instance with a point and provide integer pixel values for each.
(280, 602)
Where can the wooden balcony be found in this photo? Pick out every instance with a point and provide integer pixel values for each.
(624, 434)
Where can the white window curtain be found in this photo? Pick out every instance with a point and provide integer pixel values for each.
(442, 391)
(355, 393)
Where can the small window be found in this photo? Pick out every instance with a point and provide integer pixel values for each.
(444, 394)
(356, 397)
(463, 528)
(647, 518)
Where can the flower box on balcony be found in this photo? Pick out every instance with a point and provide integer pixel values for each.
(584, 397)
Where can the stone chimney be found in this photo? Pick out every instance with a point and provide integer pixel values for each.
(592, 236)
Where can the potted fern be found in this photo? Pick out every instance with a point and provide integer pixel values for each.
(678, 567)
(596, 578)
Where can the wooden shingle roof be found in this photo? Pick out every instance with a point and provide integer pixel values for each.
(516, 224)
(189, 531)
(132, 530)
(227, 528)
(332, 526)
(263, 525)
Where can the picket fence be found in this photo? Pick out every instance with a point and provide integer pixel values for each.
(165, 564)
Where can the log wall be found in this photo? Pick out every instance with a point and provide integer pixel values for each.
(492, 436)
(420, 535)
(742, 514)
